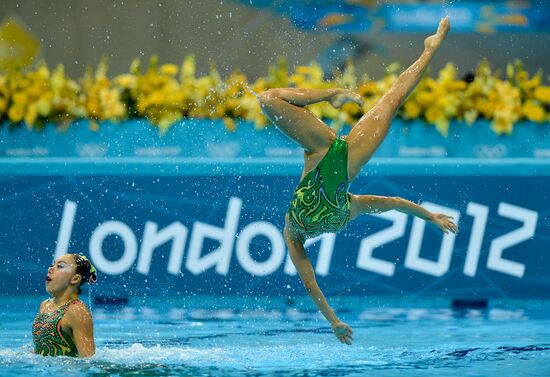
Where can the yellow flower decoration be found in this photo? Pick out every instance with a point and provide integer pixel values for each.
(533, 111)
(542, 94)
(167, 93)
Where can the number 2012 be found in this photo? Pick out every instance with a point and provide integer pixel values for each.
(480, 214)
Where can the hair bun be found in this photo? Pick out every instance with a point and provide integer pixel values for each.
(92, 279)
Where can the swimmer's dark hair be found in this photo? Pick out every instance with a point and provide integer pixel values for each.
(85, 268)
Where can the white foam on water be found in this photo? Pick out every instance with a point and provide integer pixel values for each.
(137, 354)
(131, 356)
(260, 355)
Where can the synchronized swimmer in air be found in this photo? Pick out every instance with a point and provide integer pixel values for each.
(321, 202)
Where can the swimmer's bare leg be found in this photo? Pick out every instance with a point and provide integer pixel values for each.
(370, 130)
(284, 107)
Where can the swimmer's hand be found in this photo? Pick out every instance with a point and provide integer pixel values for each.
(343, 332)
(345, 95)
(444, 223)
(433, 42)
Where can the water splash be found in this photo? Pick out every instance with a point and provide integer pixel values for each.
(447, 6)
(247, 87)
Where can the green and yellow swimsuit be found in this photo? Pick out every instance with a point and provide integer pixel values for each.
(48, 335)
(321, 201)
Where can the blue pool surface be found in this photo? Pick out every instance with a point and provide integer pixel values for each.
(252, 336)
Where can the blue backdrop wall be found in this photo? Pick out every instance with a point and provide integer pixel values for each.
(186, 225)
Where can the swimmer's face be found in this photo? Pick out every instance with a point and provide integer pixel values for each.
(62, 275)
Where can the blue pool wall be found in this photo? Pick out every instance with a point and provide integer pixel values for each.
(200, 210)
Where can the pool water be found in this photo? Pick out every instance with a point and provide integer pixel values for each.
(251, 336)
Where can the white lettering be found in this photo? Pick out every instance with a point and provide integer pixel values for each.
(413, 259)
(365, 260)
(527, 231)
(66, 228)
(152, 238)
(221, 257)
(260, 228)
(480, 214)
(130, 247)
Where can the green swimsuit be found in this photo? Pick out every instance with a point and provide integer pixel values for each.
(321, 201)
(48, 336)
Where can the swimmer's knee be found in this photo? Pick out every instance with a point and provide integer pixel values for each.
(267, 96)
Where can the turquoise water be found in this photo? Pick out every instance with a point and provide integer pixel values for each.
(250, 336)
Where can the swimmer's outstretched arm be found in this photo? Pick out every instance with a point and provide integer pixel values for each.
(301, 261)
(364, 204)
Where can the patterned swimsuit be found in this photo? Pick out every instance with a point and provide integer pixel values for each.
(320, 203)
(48, 335)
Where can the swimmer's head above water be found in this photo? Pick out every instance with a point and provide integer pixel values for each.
(69, 272)
(63, 325)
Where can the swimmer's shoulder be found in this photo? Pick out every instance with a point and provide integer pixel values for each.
(43, 305)
(78, 316)
(77, 310)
